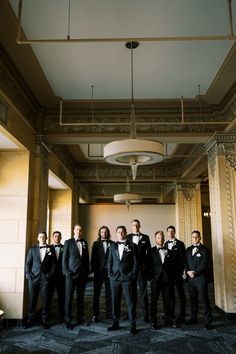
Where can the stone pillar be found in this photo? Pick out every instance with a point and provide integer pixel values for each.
(39, 170)
(188, 211)
(75, 202)
(221, 151)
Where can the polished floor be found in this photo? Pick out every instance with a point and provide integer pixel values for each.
(96, 339)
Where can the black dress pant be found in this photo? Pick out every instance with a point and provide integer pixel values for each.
(116, 293)
(198, 288)
(73, 282)
(58, 284)
(36, 287)
(177, 285)
(158, 286)
(99, 279)
(141, 284)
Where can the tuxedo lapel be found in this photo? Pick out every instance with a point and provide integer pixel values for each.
(158, 255)
(117, 252)
(76, 247)
(37, 251)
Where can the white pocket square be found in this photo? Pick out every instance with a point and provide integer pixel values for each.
(198, 255)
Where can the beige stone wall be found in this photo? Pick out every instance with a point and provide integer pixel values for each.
(152, 218)
(13, 224)
(60, 212)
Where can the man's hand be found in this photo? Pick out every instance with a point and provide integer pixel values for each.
(191, 273)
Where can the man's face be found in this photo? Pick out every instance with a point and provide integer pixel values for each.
(195, 238)
(42, 238)
(56, 238)
(121, 234)
(135, 227)
(170, 233)
(159, 239)
(103, 233)
(78, 231)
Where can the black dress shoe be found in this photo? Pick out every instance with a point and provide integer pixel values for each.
(191, 321)
(169, 323)
(125, 318)
(69, 325)
(154, 326)
(209, 326)
(28, 324)
(114, 327)
(133, 330)
(83, 323)
(46, 325)
(176, 325)
(95, 319)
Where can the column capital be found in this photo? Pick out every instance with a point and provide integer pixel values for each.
(188, 189)
(43, 148)
(222, 145)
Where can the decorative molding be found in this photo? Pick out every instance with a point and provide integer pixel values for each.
(230, 154)
(95, 172)
(188, 190)
(43, 149)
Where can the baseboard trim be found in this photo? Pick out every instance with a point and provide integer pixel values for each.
(228, 315)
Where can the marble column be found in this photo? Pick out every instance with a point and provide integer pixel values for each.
(221, 150)
(188, 210)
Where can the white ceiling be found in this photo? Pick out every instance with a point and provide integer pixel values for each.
(6, 143)
(55, 182)
(161, 69)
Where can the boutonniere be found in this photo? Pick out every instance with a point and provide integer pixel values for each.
(83, 244)
(108, 244)
(166, 253)
(140, 238)
(48, 251)
(174, 243)
(61, 250)
(126, 248)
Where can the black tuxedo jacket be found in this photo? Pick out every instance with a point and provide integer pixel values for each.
(199, 262)
(99, 257)
(143, 250)
(157, 269)
(58, 270)
(126, 268)
(35, 268)
(178, 253)
(72, 262)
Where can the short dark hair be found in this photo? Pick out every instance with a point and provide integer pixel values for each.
(196, 232)
(136, 220)
(56, 232)
(121, 227)
(78, 225)
(170, 227)
(108, 232)
(43, 232)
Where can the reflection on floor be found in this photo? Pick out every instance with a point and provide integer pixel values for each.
(96, 339)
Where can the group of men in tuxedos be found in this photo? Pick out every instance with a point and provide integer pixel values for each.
(125, 267)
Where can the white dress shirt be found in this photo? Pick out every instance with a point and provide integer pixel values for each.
(104, 244)
(42, 253)
(162, 254)
(136, 239)
(79, 245)
(171, 243)
(121, 247)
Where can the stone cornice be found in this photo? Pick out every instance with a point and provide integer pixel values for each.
(218, 139)
(104, 172)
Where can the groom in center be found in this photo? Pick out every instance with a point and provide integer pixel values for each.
(122, 270)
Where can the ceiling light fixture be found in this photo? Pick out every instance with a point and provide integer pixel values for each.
(127, 198)
(133, 152)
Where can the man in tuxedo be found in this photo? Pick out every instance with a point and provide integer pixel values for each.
(75, 267)
(40, 267)
(177, 249)
(58, 279)
(99, 257)
(161, 272)
(143, 243)
(197, 262)
(122, 270)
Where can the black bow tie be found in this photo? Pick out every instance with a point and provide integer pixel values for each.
(135, 234)
(120, 243)
(78, 240)
(193, 246)
(57, 246)
(160, 248)
(42, 247)
(104, 240)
